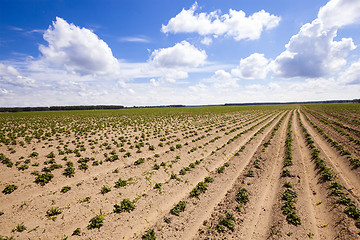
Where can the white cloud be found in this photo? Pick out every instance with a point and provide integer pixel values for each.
(351, 75)
(37, 31)
(235, 24)
(154, 82)
(338, 13)
(223, 80)
(3, 91)
(200, 87)
(207, 41)
(253, 67)
(221, 75)
(134, 39)
(313, 52)
(76, 49)
(166, 75)
(10, 76)
(8, 70)
(182, 55)
(171, 75)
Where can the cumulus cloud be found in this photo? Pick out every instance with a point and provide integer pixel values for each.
(182, 55)
(313, 52)
(338, 13)
(76, 49)
(235, 24)
(351, 75)
(253, 67)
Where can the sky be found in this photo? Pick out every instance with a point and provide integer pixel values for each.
(161, 52)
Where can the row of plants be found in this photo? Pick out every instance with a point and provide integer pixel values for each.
(242, 196)
(47, 176)
(70, 171)
(346, 118)
(242, 148)
(348, 113)
(246, 123)
(322, 119)
(272, 135)
(342, 150)
(289, 195)
(200, 188)
(112, 158)
(327, 175)
(339, 122)
(187, 169)
(249, 129)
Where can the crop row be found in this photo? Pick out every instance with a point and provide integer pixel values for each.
(242, 197)
(343, 151)
(70, 171)
(340, 131)
(327, 175)
(201, 188)
(289, 195)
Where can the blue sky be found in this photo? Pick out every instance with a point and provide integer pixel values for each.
(133, 52)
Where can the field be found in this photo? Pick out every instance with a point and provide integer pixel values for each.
(240, 172)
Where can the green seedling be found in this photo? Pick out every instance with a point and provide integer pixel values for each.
(242, 196)
(20, 228)
(76, 232)
(120, 183)
(44, 178)
(97, 221)
(53, 211)
(149, 235)
(9, 189)
(227, 222)
(208, 180)
(158, 186)
(201, 187)
(178, 208)
(167, 220)
(125, 206)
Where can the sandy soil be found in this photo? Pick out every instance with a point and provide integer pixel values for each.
(236, 142)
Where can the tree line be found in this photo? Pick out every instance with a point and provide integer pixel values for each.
(58, 108)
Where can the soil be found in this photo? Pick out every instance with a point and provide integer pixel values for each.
(239, 142)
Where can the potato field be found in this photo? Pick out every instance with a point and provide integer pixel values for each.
(234, 172)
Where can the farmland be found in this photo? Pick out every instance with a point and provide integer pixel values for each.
(236, 172)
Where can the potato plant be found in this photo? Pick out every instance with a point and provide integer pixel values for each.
(125, 206)
(178, 208)
(97, 221)
(9, 189)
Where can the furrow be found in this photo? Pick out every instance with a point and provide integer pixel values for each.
(200, 209)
